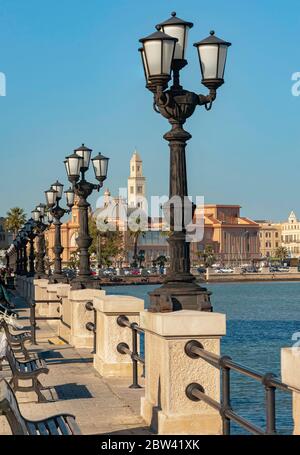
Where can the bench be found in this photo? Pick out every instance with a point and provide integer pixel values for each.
(26, 370)
(16, 340)
(61, 424)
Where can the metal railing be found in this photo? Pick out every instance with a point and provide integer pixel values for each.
(225, 364)
(124, 349)
(92, 326)
(34, 318)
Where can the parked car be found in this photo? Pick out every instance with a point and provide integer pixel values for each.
(249, 270)
(224, 270)
(109, 271)
(69, 273)
(135, 272)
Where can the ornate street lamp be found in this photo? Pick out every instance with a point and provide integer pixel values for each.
(23, 244)
(17, 247)
(42, 221)
(76, 166)
(30, 230)
(163, 57)
(56, 212)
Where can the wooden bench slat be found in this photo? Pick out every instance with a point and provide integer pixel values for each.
(63, 426)
(73, 425)
(52, 427)
(42, 429)
(31, 428)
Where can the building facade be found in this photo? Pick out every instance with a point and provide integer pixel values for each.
(234, 239)
(136, 185)
(290, 234)
(269, 238)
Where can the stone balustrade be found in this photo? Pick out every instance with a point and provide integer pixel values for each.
(107, 360)
(169, 370)
(290, 375)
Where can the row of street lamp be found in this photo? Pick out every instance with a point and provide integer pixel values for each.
(163, 57)
(44, 215)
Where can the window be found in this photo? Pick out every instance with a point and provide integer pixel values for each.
(132, 168)
(138, 168)
(140, 189)
(276, 244)
(276, 235)
(131, 190)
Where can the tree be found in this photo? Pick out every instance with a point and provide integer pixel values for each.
(74, 260)
(207, 255)
(160, 261)
(105, 244)
(135, 235)
(281, 253)
(15, 219)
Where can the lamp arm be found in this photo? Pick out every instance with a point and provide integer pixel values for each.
(207, 100)
(161, 98)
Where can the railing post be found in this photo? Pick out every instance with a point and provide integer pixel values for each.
(92, 326)
(225, 393)
(135, 383)
(33, 322)
(270, 404)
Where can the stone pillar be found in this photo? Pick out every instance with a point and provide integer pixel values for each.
(64, 328)
(53, 309)
(169, 371)
(107, 360)
(40, 293)
(290, 375)
(80, 336)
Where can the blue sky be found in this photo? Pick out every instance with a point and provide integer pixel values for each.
(74, 75)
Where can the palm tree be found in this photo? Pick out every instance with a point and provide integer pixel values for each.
(15, 219)
(136, 235)
(208, 255)
(281, 253)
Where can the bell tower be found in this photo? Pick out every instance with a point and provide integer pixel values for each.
(136, 182)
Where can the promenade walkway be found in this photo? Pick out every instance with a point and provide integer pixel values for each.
(101, 405)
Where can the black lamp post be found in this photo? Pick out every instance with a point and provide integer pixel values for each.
(30, 230)
(76, 166)
(163, 57)
(53, 196)
(23, 245)
(18, 261)
(39, 216)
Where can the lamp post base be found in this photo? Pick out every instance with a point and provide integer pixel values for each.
(175, 296)
(85, 282)
(58, 279)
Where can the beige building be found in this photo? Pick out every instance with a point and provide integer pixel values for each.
(269, 237)
(136, 186)
(234, 239)
(290, 232)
